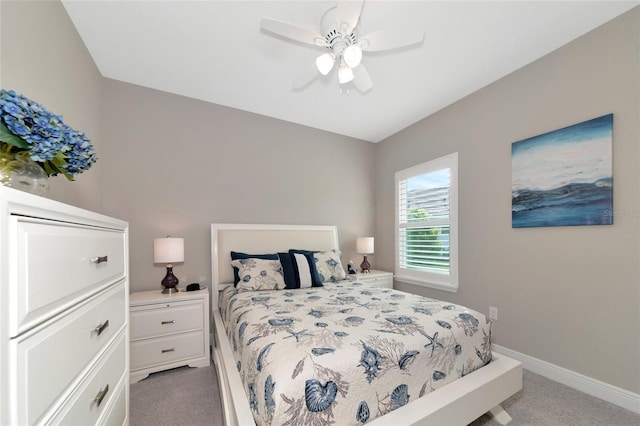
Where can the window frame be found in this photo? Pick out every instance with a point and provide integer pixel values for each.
(440, 281)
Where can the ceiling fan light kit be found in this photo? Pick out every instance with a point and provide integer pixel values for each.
(340, 27)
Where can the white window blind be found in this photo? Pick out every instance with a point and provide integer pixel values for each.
(426, 213)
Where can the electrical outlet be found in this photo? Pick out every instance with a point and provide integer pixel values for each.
(493, 313)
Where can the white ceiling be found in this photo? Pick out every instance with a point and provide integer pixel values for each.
(215, 51)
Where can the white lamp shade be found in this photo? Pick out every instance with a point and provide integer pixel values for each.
(325, 63)
(364, 245)
(345, 74)
(168, 250)
(352, 55)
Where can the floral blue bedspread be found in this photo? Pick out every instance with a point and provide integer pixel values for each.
(347, 353)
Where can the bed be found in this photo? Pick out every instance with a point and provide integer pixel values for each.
(290, 352)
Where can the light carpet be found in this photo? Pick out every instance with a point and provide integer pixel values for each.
(190, 397)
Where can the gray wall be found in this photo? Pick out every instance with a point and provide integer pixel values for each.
(175, 165)
(44, 58)
(567, 295)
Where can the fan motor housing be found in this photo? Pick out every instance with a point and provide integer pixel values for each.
(333, 37)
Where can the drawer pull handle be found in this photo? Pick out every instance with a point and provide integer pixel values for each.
(100, 396)
(99, 329)
(100, 259)
(164, 351)
(168, 322)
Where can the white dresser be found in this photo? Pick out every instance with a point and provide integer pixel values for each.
(64, 355)
(168, 331)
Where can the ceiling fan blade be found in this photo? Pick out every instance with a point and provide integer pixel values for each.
(387, 40)
(291, 31)
(348, 13)
(306, 77)
(362, 79)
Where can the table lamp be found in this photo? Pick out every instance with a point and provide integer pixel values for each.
(168, 250)
(364, 246)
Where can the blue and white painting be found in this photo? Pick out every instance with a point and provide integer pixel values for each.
(564, 177)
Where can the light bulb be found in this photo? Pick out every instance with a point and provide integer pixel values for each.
(345, 74)
(325, 62)
(352, 55)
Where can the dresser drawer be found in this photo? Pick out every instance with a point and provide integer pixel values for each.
(162, 350)
(48, 359)
(95, 395)
(55, 264)
(161, 320)
(116, 414)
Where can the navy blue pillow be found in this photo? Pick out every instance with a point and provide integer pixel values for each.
(238, 255)
(288, 270)
(301, 270)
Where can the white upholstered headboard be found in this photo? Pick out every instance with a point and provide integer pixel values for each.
(257, 239)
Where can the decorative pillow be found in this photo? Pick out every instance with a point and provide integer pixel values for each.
(288, 270)
(259, 274)
(329, 266)
(239, 255)
(304, 266)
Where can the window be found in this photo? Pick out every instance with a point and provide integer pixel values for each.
(427, 224)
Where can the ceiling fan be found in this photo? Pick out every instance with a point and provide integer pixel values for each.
(343, 44)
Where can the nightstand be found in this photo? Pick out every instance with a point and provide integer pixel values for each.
(376, 278)
(168, 331)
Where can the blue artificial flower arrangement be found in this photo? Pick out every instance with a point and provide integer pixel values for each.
(28, 127)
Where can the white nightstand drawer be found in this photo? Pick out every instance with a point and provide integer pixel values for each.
(376, 279)
(48, 361)
(163, 350)
(56, 263)
(161, 320)
(95, 394)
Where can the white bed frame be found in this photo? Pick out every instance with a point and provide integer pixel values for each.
(457, 403)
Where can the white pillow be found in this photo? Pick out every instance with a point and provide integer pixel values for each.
(259, 274)
(329, 266)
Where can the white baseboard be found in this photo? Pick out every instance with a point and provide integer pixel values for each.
(588, 385)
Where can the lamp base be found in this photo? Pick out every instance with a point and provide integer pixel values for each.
(170, 281)
(365, 267)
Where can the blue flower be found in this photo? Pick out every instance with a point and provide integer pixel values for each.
(27, 126)
(12, 109)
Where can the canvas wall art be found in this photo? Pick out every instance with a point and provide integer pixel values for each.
(564, 177)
